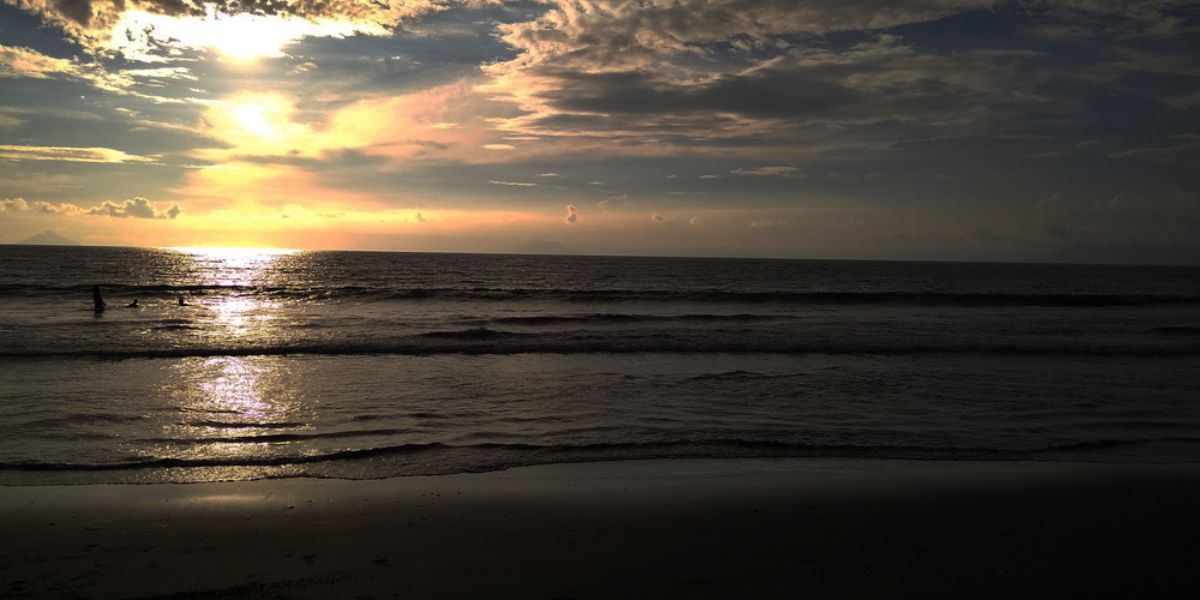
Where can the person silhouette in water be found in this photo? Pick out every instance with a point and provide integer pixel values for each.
(133, 304)
(183, 302)
(97, 300)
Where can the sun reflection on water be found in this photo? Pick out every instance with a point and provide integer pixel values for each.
(236, 283)
(232, 409)
(233, 266)
(232, 388)
(234, 416)
(241, 316)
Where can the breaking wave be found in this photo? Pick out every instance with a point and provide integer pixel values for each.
(511, 455)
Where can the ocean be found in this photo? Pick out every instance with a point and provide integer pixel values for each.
(367, 365)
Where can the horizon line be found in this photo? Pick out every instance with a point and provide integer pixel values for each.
(606, 255)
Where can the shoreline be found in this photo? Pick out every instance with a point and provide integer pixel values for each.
(761, 527)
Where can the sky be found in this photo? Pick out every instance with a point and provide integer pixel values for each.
(931, 129)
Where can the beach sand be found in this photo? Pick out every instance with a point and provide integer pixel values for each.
(638, 529)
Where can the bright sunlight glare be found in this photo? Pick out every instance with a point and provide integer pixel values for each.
(254, 117)
(232, 252)
(242, 37)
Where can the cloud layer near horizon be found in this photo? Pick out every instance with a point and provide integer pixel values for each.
(138, 208)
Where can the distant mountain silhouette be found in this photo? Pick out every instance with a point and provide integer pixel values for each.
(48, 238)
(543, 247)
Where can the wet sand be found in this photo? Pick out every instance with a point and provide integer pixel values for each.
(641, 529)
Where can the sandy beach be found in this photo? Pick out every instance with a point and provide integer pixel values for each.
(661, 528)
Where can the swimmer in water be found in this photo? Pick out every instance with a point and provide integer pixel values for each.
(133, 304)
(183, 302)
(97, 300)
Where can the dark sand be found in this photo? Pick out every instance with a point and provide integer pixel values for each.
(648, 529)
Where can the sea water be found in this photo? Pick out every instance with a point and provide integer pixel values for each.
(365, 365)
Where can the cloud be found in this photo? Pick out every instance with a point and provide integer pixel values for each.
(162, 73)
(751, 91)
(242, 36)
(512, 183)
(62, 208)
(778, 171)
(693, 221)
(143, 29)
(13, 205)
(69, 154)
(618, 201)
(1184, 102)
(867, 84)
(9, 121)
(1188, 151)
(1131, 217)
(605, 33)
(691, 72)
(629, 28)
(139, 208)
(19, 62)
(1119, 19)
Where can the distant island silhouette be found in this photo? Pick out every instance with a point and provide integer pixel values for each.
(543, 247)
(48, 238)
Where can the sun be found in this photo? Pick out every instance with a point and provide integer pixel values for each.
(255, 117)
(257, 122)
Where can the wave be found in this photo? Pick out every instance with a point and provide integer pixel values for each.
(246, 424)
(624, 318)
(281, 437)
(739, 376)
(130, 288)
(477, 333)
(1176, 330)
(384, 293)
(501, 455)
